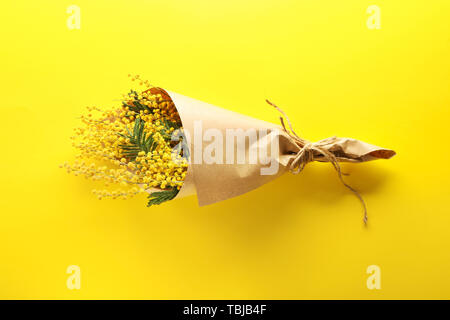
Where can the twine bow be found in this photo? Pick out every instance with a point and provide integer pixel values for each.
(308, 152)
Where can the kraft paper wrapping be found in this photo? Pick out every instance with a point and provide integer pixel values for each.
(216, 182)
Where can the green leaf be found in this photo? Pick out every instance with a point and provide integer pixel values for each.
(158, 197)
(139, 141)
(135, 105)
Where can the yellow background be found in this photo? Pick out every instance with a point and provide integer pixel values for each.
(297, 237)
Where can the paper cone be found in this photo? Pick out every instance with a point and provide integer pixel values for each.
(213, 182)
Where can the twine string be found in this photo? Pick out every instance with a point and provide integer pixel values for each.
(308, 150)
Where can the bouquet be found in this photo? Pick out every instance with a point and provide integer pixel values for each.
(169, 146)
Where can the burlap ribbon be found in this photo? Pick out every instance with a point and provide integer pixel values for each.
(308, 151)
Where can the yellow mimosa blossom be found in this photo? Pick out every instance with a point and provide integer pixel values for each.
(134, 141)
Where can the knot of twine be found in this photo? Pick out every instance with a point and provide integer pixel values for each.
(307, 152)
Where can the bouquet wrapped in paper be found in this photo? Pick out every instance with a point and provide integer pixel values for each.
(169, 146)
